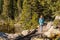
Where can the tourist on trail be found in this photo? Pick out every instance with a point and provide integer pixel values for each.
(41, 22)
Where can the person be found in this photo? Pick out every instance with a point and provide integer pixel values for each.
(41, 22)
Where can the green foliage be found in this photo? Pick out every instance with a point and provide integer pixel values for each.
(50, 7)
(34, 16)
(56, 21)
(34, 20)
(27, 12)
(57, 13)
(7, 27)
(25, 16)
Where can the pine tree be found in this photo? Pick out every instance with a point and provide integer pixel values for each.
(6, 7)
(34, 11)
(26, 15)
(11, 9)
(6, 11)
(18, 6)
(49, 7)
(15, 9)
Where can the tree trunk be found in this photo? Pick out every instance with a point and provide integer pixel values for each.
(19, 6)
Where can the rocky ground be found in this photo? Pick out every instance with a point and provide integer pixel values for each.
(49, 32)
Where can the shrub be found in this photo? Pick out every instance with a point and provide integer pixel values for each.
(56, 21)
(7, 27)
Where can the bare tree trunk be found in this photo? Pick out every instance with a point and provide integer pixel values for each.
(19, 10)
(19, 6)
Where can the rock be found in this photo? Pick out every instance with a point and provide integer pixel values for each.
(37, 39)
(49, 24)
(12, 36)
(52, 32)
(3, 36)
(31, 30)
(25, 32)
(47, 33)
(49, 30)
(57, 17)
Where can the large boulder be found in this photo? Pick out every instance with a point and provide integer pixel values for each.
(48, 26)
(37, 39)
(57, 17)
(12, 36)
(25, 32)
(51, 32)
(3, 36)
